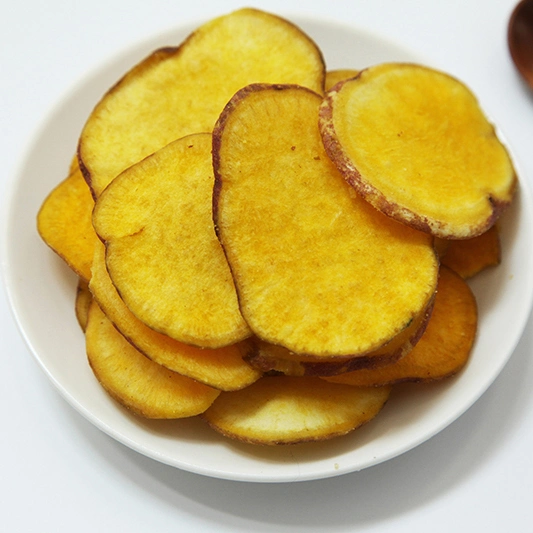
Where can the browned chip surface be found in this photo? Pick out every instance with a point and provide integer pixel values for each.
(268, 357)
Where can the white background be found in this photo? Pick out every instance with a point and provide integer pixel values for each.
(60, 474)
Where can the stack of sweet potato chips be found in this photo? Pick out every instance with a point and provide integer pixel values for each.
(272, 245)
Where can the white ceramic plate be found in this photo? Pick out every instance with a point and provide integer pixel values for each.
(41, 290)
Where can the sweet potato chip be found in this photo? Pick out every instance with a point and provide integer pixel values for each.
(82, 303)
(334, 76)
(269, 357)
(222, 368)
(317, 269)
(441, 246)
(182, 90)
(139, 384)
(444, 348)
(162, 253)
(415, 143)
(469, 257)
(64, 223)
(288, 410)
(272, 246)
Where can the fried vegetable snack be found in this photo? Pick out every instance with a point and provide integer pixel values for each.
(268, 357)
(64, 223)
(334, 76)
(317, 269)
(178, 91)
(82, 303)
(469, 257)
(272, 245)
(222, 368)
(288, 410)
(162, 253)
(444, 348)
(139, 384)
(415, 143)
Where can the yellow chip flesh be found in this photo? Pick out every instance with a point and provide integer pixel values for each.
(162, 252)
(268, 357)
(222, 368)
(335, 76)
(64, 223)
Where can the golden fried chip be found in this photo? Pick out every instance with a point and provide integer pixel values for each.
(268, 357)
(441, 246)
(469, 257)
(64, 223)
(288, 410)
(162, 253)
(182, 90)
(317, 269)
(82, 303)
(415, 143)
(274, 246)
(139, 384)
(74, 165)
(222, 368)
(334, 76)
(445, 346)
